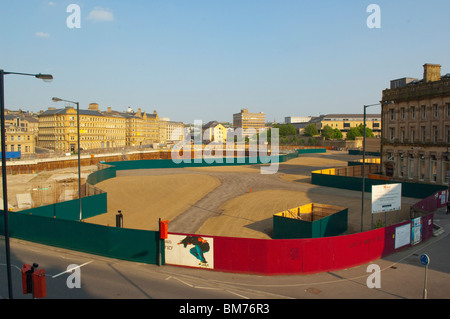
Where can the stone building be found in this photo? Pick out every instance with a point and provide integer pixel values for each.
(246, 120)
(416, 128)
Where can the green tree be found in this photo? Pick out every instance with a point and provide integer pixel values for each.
(283, 130)
(369, 132)
(310, 130)
(337, 134)
(353, 133)
(327, 132)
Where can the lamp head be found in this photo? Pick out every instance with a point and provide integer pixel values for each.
(44, 77)
(56, 99)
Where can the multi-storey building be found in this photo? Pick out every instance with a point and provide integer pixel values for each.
(23, 128)
(140, 128)
(416, 128)
(18, 139)
(214, 132)
(174, 131)
(344, 122)
(297, 119)
(99, 130)
(246, 120)
(58, 129)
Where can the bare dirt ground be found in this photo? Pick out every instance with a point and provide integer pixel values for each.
(146, 198)
(233, 201)
(45, 187)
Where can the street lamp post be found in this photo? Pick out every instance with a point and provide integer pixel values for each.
(46, 78)
(55, 99)
(364, 159)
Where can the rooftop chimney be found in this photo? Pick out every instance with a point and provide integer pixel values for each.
(431, 72)
(93, 106)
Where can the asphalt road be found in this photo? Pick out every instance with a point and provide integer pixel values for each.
(402, 277)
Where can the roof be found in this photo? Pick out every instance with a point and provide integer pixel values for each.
(210, 124)
(64, 111)
(350, 116)
(22, 117)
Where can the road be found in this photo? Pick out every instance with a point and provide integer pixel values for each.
(402, 277)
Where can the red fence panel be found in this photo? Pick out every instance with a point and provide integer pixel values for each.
(307, 256)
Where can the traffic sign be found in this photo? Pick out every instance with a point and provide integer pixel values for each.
(424, 259)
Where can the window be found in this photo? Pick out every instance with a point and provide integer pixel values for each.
(392, 134)
(446, 170)
(413, 135)
(411, 167)
(12, 148)
(448, 109)
(421, 168)
(392, 112)
(402, 135)
(423, 133)
(435, 134)
(433, 169)
(402, 166)
(413, 112)
(376, 125)
(448, 134)
(403, 113)
(435, 110)
(424, 111)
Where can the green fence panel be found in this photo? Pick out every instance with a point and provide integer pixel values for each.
(169, 163)
(45, 211)
(101, 175)
(70, 210)
(311, 150)
(291, 228)
(334, 224)
(414, 190)
(359, 152)
(120, 243)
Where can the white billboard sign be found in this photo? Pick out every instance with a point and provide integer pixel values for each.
(402, 236)
(191, 251)
(386, 198)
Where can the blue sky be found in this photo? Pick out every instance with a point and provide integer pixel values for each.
(205, 60)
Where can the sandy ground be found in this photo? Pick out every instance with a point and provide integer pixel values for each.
(233, 201)
(144, 199)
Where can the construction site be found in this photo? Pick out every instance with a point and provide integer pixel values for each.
(218, 200)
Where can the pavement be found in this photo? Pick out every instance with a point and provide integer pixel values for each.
(401, 277)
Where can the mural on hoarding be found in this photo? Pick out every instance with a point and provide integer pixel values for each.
(191, 251)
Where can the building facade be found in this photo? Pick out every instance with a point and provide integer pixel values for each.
(246, 120)
(18, 139)
(297, 119)
(214, 132)
(416, 128)
(103, 130)
(21, 132)
(58, 129)
(344, 122)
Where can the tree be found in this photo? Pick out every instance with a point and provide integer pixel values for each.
(337, 134)
(310, 130)
(283, 130)
(369, 132)
(327, 132)
(353, 133)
